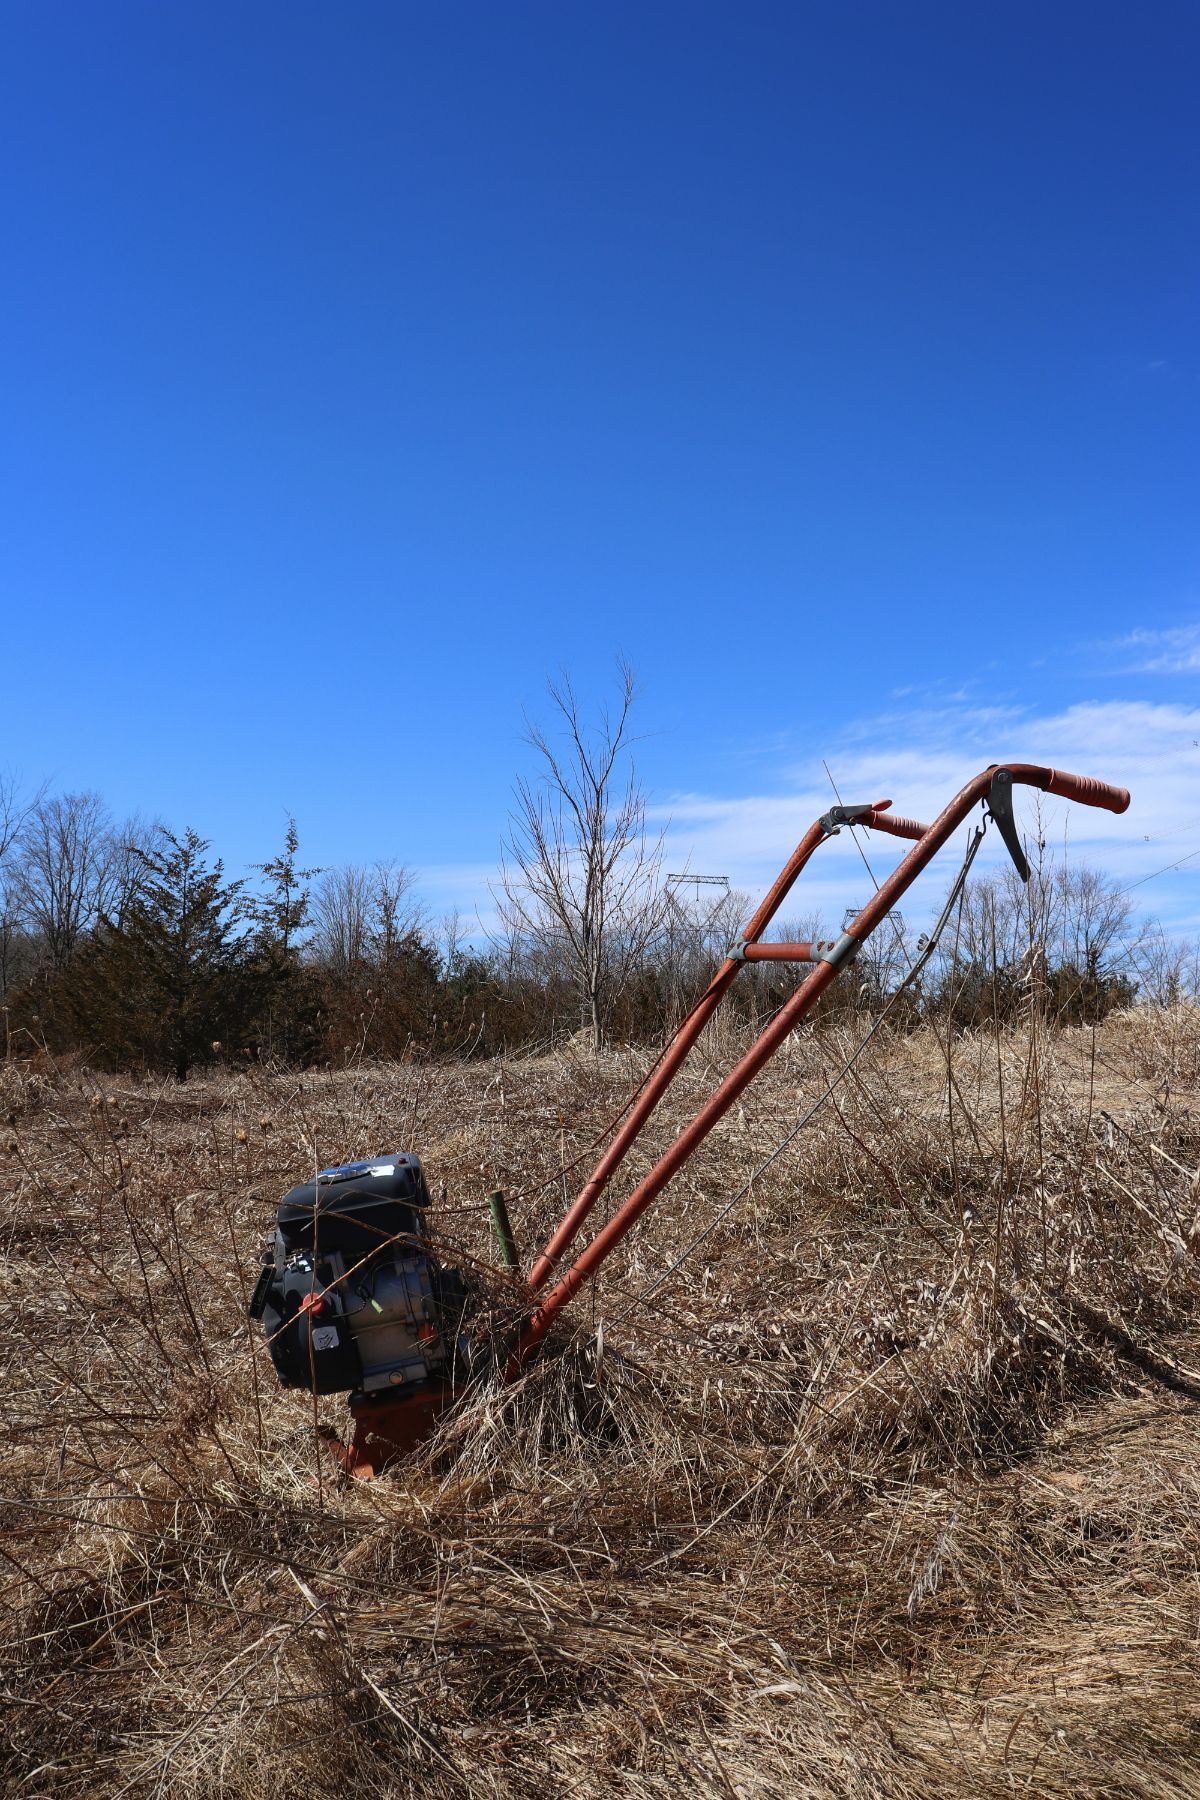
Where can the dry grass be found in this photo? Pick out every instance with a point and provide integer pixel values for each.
(892, 1490)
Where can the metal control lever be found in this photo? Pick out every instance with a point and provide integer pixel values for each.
(837, 816)
(1000, 808)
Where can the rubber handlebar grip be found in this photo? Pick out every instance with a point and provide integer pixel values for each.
(895, 826)
(1088, 791)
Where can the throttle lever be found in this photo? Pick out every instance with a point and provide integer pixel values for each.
(839, 815)
(1000, 809)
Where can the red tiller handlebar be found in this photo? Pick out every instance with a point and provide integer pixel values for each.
(1082, 788)
(878, 818)
(1087, 791)
(789, 953)
(894, 825)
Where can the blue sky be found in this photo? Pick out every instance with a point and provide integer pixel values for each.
(840, 366)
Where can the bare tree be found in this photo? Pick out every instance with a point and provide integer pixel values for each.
(886, 958)
(394, 914)
(67, 852)
(14, 947)
(1095, 919)
(580, 871)
(15, 808)
(123, 878)
(1069, 935)
(341, 915)
(1167, 968)
(452, 939)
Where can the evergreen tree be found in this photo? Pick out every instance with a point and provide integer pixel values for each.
(288, 1024)
(281, 914)
(178, 977)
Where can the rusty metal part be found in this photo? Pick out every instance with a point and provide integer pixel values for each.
(876, 817)
(895, 825)
(820, 950)
(786, 953)
(387, 1429)
(1084, 789)
(1072, 787)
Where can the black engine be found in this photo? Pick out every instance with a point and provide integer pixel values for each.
(349, 1295)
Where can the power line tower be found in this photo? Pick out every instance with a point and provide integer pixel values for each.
(696, 882)
(687, 932)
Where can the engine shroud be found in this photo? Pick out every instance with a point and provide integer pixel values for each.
(349, 1296)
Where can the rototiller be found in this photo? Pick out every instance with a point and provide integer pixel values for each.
(351, 1296)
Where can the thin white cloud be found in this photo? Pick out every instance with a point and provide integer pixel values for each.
(921, 759)
(463, 887)
(1174, 651)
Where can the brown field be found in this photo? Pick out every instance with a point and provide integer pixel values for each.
(891, 1490)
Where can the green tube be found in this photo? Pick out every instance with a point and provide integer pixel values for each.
(504, 1232)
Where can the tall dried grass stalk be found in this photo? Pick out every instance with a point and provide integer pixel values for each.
(892, 1491)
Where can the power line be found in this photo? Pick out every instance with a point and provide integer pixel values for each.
(1128, 889)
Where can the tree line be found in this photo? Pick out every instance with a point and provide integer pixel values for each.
(128, 942)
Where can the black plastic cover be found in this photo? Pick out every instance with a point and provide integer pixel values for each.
(316, 1352)
(356, 1207)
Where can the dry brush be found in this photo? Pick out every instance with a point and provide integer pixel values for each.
(889, 1489)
